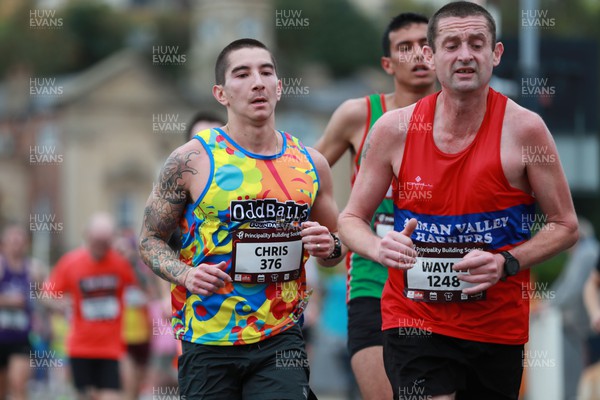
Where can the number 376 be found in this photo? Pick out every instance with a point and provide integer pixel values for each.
(270, 263)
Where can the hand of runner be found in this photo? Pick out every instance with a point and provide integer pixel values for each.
(316, 239)
(484, 269)
(205, 279)
(396, 249)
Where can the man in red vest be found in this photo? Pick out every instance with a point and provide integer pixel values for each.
(465, 172)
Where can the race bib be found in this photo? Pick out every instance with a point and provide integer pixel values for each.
(13, 319)
(266, 255)
(383, 223)
(134, 297)
(100, 308)
(432, 278)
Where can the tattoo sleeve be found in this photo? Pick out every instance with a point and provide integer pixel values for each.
(164, 209)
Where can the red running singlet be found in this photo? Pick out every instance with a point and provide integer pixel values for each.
(462, 201)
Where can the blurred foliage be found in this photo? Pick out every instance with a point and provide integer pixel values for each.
(170, 30)
(89, 32)
(43, 50)
(396, 7)
(151, 29)
(338, 36)
(95, 30)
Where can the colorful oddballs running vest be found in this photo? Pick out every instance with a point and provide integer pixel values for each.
(248, 216)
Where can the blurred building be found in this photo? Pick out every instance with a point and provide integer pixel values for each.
(217, 23)
(95, 140)
(83, 143)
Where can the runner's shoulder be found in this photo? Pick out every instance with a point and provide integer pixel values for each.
(523, 124)
(394, 123)
(318, 159)
(353, 112)
(191, 150)
(185, 165)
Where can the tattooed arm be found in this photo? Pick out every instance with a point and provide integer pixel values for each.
(181, 178)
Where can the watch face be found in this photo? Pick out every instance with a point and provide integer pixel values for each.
(511, 264)
(511, 267)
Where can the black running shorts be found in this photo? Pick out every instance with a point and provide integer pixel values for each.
(421, 363)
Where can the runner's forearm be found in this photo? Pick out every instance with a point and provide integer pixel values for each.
(163, 261)
(545, 244)
(357, 235)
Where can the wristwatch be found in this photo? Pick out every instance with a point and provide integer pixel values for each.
(337, 247)
(511, 265)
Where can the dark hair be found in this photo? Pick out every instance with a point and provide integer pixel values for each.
(222, 61)
(203, 116)
(460, 9)
(398, 22)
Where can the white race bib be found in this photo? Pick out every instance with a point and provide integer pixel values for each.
(432, 278)
(383, 223)
(134, 297)
(100, 308)
(13, 319)
(266, 255)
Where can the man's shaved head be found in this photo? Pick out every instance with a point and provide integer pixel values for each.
(99, 234)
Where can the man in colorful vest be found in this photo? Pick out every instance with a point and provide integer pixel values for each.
(465, 171)
(348, 129)
(252, 203)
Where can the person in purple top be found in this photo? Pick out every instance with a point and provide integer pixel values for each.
(16, 312)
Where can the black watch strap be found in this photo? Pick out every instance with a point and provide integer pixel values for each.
(511, 265)
(337, 247)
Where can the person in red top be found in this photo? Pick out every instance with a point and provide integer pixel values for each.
(466, 172)
(94, 276)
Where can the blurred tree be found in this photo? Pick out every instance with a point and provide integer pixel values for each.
(95, 29)
(395, 7)
(43, 51)
(165, 29)
(88, 32)
(84, 33)
(337, 35)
